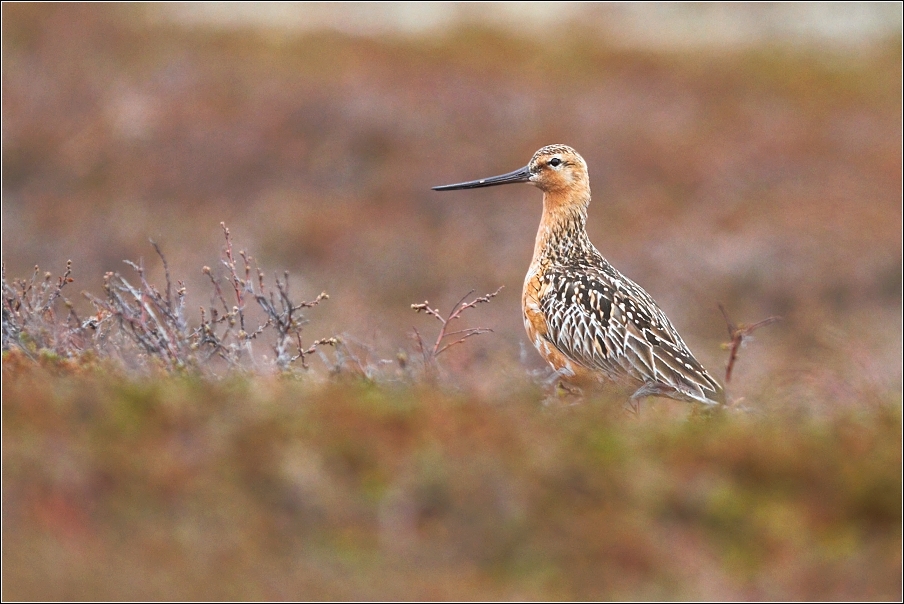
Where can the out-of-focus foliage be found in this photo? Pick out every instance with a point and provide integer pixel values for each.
(767, 178)
(263, 489)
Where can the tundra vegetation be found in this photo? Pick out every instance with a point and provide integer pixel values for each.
(303, 405)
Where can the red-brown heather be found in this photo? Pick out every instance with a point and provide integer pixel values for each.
(182, 433)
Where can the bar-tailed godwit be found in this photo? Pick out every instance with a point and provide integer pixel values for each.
(590, 322)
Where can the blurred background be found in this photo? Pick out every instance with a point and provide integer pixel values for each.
(743, 154)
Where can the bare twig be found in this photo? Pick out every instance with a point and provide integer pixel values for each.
(283, 315)
(169, 297)
(441, 345)
(738, 334)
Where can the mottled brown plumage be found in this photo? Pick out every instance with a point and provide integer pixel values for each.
(588, 320)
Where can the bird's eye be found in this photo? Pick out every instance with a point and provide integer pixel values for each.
(554, 162)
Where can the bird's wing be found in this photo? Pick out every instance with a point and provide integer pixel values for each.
(606, 322)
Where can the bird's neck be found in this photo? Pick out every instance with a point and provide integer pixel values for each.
(562, 234)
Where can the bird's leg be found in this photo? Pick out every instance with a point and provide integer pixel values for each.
(644, 391)
(552, 378)
(648, 389)
(633, 405)
(651, 389)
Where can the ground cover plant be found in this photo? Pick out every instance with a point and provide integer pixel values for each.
(169, 487)
(305, 406)
(146, 457)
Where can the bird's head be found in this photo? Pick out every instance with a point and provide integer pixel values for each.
(553, 169)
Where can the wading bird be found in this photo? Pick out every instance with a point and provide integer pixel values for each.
(590, 322)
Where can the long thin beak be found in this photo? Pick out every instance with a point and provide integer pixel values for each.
(521, 175)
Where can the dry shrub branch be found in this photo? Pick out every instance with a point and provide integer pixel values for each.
(740, 334)
(141, 326)
(30, 318)
(443, 342)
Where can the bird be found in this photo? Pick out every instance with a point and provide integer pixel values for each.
(588, 321)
